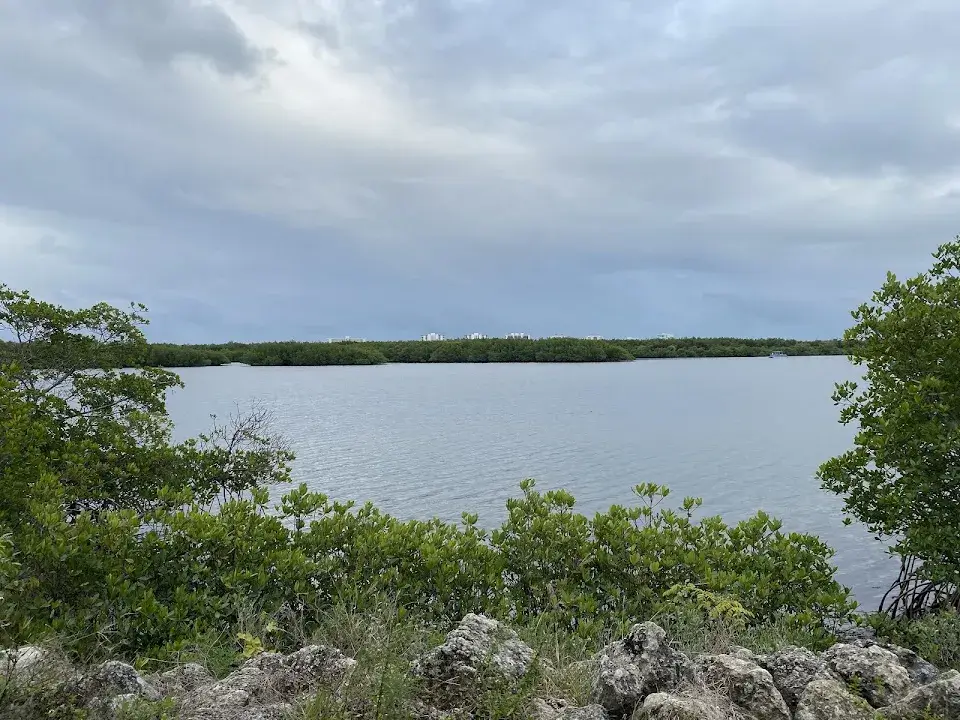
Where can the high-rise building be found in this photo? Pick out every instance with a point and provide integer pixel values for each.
(432, 336)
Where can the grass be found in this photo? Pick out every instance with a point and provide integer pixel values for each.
(935, 638)
(385, 642)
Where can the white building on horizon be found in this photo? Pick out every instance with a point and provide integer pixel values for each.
(517, 336)
(430, 337)
(345, 339)
(594, 337)
(665, 336)
(475, 336)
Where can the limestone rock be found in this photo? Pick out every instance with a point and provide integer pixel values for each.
(183, 678)
(260, 687)
(748, 685)
(587, 712)
(941, 698)
(662, 706)
(875, 673)
(548, 709)
(827, 699)
(23, 662)
(476, 646)
(920, 671)
(746, 654)
(640, 664)
(114, 678)
(792, 669)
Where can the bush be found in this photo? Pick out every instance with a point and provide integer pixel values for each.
(154, 584)
(901, 476)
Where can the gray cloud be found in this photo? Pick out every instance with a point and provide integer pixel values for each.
(295, 167)
(158, 32)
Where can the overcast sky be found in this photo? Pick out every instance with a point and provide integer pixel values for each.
(273, 169)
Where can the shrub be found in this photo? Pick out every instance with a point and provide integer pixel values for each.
(901, 476)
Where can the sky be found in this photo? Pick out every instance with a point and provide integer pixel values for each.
(304, 169)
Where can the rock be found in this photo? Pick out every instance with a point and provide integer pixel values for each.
(827, 699)
(265, 679)
(661, 706)
(23, 662)
(114, 678)
(311, 665)
(873, 672)
(640, 664)
(560, 710)
(587, 712)
(213, 702)
(746, 654)
(184, 678)
(421, 711)
(547, 709)
(477, 645)
(920, 671)
(940, 699)
(852, 633)
(748, 685)
(792, 669)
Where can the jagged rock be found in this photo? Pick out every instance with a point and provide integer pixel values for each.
(213, 702)
(852, 633)
(476, 646)
(548, 709)
(554, 709)
(748, 685)
(827, 699)
(264, 680)
(920, 671)
(662, 706)
(941, 699)
(587, 712)
(746, 654)
(22, 662)
(792, 669)
(422, 711)
(873, 672)
(640, 664)
(114, 678)
(183, 678)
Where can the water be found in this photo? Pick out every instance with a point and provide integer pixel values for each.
(423, 440)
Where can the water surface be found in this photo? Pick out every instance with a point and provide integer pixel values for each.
(423, 440)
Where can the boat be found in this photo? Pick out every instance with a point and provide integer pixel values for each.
(778, 354)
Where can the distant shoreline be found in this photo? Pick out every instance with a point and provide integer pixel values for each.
(492, 350)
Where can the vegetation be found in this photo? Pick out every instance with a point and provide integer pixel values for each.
(493, 350)
(113, 536)
(902, 477)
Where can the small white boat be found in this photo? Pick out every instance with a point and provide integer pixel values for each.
(778, 354)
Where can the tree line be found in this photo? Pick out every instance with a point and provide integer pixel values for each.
(493, 350)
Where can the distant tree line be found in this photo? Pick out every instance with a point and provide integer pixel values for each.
(494, 350)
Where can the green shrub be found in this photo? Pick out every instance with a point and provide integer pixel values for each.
(900, 477)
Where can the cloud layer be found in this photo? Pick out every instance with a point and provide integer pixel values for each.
(308, 168)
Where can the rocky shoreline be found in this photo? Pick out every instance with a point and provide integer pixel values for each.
(640, 677)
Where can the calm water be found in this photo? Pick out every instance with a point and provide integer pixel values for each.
(424, 440)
